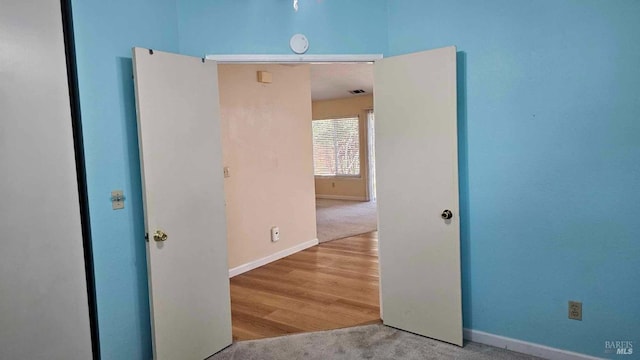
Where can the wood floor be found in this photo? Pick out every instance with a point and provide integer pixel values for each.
(329, 286)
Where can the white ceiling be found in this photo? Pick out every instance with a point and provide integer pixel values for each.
(333, 81)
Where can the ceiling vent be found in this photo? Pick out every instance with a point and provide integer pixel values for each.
(357, 92)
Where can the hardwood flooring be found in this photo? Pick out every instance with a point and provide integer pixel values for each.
(329, 286)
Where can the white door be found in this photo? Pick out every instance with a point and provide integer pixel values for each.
(417, 180)
(181, 161)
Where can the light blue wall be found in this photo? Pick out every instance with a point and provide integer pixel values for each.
(265, 26)
(105, 31)
(552, 199)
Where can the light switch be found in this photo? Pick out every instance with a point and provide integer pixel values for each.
(117, 199)
(227, 173)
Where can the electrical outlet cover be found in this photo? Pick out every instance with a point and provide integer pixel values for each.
(275, 234)
(575, 310)
(117, 199)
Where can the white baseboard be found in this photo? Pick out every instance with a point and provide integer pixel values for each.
(271, 258)
(523, 346)
(341, 197)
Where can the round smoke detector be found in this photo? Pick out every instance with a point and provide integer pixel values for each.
(299, 44)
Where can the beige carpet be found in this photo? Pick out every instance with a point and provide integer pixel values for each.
(337, 219)
(375, 342)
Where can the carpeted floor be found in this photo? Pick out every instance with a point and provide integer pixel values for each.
(363, 342)
(337, 219)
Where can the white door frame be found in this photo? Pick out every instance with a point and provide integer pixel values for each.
(283, 59)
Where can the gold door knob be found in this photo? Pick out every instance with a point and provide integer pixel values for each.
(160, 235)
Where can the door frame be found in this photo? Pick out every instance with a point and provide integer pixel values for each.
(306, 59)
(287, 59)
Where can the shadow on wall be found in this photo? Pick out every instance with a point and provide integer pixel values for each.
(463, 174)
(134, 199)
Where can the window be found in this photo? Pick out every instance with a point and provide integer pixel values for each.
(336, 147)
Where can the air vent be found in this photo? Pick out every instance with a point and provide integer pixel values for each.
(357, 91)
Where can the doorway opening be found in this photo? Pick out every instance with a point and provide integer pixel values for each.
(329, 286)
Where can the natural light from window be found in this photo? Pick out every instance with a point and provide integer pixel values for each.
(336, 147)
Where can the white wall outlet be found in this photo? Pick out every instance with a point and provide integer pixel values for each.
(275, 234)
(117, 199)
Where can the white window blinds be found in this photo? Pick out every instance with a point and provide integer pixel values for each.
(336, 147)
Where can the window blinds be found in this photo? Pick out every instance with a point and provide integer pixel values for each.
(336, 147)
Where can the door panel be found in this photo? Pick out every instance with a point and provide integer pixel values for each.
(181, 161)
(44, 309)
(417, 178)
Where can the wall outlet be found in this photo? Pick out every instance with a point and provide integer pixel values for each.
(275, 234)
(575, 310)
(117, 199)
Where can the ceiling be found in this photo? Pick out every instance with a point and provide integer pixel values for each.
(333, 81)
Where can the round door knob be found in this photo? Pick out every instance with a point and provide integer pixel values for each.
(447, 214)
(160, 235)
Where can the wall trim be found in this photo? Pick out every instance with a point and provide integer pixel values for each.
(288, 58)
(524, 346)
(341, 197)
(271, 258)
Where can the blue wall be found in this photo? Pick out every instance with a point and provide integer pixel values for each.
(551, 200)
(548, 130)
(105, 32)
(265, 26)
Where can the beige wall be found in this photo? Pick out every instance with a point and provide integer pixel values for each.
(267, 144)
(350, 188)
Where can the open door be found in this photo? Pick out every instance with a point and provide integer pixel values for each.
(417, 186)
(182, 178)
